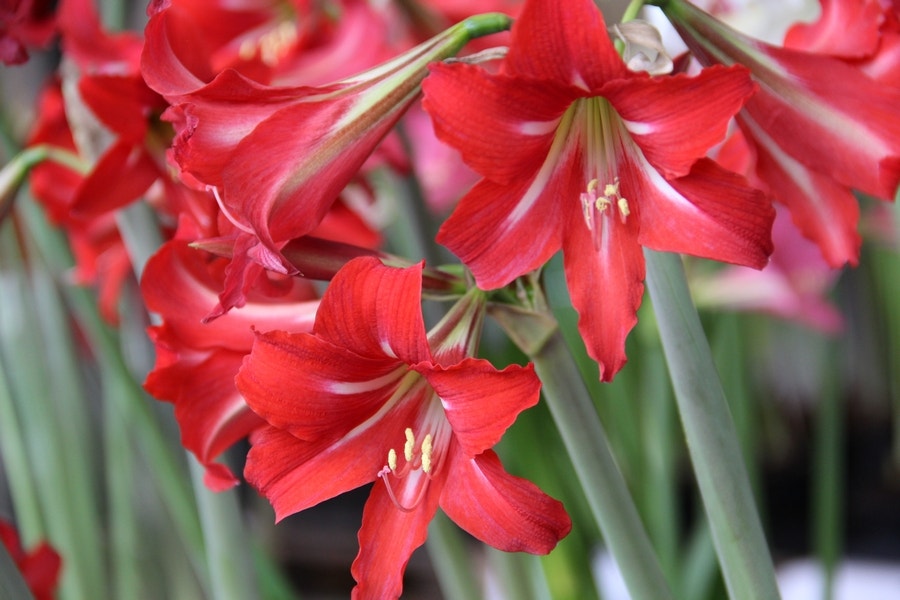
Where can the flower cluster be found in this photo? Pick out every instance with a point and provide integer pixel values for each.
(261, 133)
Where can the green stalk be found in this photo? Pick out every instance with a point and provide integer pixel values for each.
(12, 585)
(710, 433)
(827, 476)
(603, 484)
(450, 559)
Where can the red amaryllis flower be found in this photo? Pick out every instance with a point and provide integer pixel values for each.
(24, 24)
(196, 362)
(278, 157)
(819, 126)
(368, 396)
(579, 153)
(40, 567)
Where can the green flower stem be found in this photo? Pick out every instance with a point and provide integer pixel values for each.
(228, 557)
(710, 433)
(827, 475)
(12, 585)
(450, 559)
(131, 403)
(607, 493)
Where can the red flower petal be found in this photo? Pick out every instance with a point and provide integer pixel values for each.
(354, 313)
(387, 539)
(673, 119)
(711, 213)
(480, 402)
(502, 126)
(503, 231)
(507, 512)
(605, 284)
(563, 42)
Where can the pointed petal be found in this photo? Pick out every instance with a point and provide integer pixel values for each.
(211, 414)
(507, 512)
(824, 210)
(710, 212)
(605, 283)
(288, 194)
(354, 313)
(313, 388)
(294, 474)
(122, 174)
(565, 42)
(845, 28)
(501, 232)
(481, 402)
(676, 120)
(388, 538)
(509, 134)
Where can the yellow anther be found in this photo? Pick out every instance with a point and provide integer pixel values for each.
(426, 453)
(602, 203)
(611, 189)
(592, 185)
(623, 208)
(410, 444)
(392, 459)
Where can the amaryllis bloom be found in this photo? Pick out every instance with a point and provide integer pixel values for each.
(278, 157)
(40, 566)
(819, 127)
(369, 396)
(24, 24)
(578, 153)
(196, 361)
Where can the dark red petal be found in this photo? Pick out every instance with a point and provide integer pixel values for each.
(313, 388)
(507, 512)
(120, 177)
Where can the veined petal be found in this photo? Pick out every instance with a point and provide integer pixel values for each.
(283, 177)
(503, 231)
(313, 388)
(502, 126)
(388, 537)
(481, 402)
(354, 313)
(676, 120)
(563, 42)
(605, 281)
(294, 474)
(710, 212)
(507, 512)
(824, 210)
